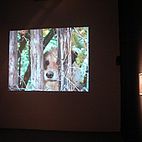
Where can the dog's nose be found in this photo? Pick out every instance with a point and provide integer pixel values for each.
(49, 74)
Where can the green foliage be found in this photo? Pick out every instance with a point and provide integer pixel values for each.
(81, 56)
(79, 43)
(24, 60)
(52, 43)
(23, 52)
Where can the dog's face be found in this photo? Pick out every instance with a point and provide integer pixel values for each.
(51, 70)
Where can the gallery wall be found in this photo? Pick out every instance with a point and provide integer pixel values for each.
(98, 110)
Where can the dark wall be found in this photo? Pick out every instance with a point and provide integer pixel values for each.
(130, 49)
(98, 110)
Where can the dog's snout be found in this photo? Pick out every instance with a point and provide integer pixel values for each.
(49, 74)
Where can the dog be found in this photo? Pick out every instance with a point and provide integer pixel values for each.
(51, 77)
(51, 72)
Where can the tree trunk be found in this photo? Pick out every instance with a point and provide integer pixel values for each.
(87, 81)
(64, 54)
(13, 60)
(36, 51)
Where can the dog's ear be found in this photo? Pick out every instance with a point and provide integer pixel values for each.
(74, 56)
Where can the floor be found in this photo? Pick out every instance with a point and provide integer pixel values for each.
(8, 135)
(22, 135)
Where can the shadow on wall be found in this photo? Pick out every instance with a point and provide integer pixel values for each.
(47, 7)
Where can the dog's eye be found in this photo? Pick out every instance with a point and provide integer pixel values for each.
(47, 62)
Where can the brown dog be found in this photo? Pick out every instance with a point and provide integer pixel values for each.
(51, 70)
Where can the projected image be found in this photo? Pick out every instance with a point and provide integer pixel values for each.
(51, 59)
(140, 83)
